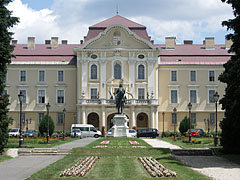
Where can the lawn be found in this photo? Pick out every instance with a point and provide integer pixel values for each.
(118, 160)
(38, 142)
(4, 158)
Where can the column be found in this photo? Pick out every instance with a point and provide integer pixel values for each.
(78, 115)
(103, 79)
(104, 117)
(152, 117)
(84, 77)
(133, 117)
(84, 120)
(132, 77)
(150, 77)
(156, 117)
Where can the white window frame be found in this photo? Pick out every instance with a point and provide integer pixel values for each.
(172, 115)
(209, 75)
(90, 95)
(144, 65)
(144, 92)
(122, 70)
(172, 77)
(58, 115)
(20, 75)
(170, 100)
(97, 71)
(196, 96)
(209, 96)
(38, 96)
(39, 75)
(64, 98)
(58, 75)
(23, 89)
(190, 78)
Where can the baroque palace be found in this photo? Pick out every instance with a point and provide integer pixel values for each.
(82, 78)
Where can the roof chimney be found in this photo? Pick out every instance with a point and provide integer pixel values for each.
(54, 42)
(47, 42)
(14, 42)
(209, 43)
(228, 43)
(188, 42)
(31, 42)
(64, 42)
(170, 42)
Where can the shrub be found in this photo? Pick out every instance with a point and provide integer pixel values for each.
(43, 126)
(184, 125)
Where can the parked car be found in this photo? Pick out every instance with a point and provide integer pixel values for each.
(76, 133)
(200, 131)
(30, 133)
(131, 133)
(148, 132)
(14, 132)
(87, 130)
(192, 131)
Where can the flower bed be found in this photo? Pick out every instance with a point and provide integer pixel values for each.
(133, 142)
(100, 146)
(154, 168)
(81, 168)
(105, 142)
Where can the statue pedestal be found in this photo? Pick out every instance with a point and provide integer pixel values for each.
(120, 128)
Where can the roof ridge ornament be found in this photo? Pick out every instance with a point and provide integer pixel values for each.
(117, 9)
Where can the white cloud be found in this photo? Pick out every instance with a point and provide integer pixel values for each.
(185, 19)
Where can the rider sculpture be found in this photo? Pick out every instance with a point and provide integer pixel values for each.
(120, 98)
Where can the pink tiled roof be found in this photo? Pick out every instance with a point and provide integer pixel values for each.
(42, 58)
(118, 20)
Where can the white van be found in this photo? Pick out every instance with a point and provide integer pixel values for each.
(88, 130)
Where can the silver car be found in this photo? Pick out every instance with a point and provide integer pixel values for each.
(76, 133)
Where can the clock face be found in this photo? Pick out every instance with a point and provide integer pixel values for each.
(94, 56)
(141, 56)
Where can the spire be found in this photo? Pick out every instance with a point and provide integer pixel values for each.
(117, 9)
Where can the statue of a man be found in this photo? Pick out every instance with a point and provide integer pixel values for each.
(120, 98)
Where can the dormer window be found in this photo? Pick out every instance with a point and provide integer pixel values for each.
(116, 38)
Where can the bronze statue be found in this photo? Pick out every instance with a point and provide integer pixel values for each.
(120, 98)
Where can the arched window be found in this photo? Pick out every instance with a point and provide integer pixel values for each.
(141, 72)
(94, 71)
(117, 71)
(116, 38)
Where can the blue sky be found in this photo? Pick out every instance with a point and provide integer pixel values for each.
(70, 19)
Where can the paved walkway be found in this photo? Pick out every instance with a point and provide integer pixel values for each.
(22, 167)
(212, 166)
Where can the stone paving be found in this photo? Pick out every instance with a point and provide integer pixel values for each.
(212, 166)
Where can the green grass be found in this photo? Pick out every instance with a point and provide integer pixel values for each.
(34, 142)
(4, 158)
(117, 163)
(206, 143)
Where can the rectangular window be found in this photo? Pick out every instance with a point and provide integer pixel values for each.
(211, 96)
(40, 117)
(60, 118)
(141, 93)
(23, 75)
(60, 96)
(174, 118)
(41, 96)
(24, 92)
(211, 75)
(173, 75)
(174, 97)
(60, 75)
(192, 75)
(212, 118)
(94, 94)
(193, 96)
(193, 118)
(41, 76)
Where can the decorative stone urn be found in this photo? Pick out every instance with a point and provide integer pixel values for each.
(120, 128)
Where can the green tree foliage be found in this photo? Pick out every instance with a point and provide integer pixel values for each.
(44, 125)
(6, 22)
(184, 125)
(231, 75)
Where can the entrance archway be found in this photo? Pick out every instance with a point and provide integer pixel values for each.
(109, 123)
(142, 121)
(93, 119)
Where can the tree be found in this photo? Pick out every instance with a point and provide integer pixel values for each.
(184, 125)
(6, 22)
(43, 126)
(231, 75)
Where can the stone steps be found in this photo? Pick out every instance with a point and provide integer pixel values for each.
(192, 152)
(43, 151)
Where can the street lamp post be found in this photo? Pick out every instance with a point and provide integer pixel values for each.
(20, 97)
(163, 114)
(48, 107)
(190, 123)
(216, 97)
(175, 122)
(64, 114)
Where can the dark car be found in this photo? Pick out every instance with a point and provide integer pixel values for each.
(148, 132)
(30, 133)
(200, 131)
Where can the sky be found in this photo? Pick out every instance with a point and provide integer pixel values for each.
(70, 19)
